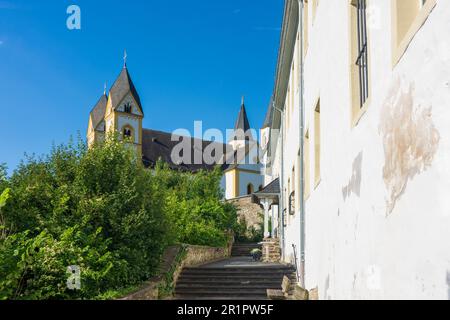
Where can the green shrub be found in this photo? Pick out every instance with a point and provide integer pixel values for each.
(98, 209)
(245, 234)
(194, 207)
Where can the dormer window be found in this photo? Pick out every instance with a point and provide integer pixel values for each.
(127, 108)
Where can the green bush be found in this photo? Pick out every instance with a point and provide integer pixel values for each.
(245, 234)
(101, 210)
(98, 209)
(194, 207)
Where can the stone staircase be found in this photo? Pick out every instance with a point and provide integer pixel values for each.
(237, 278)
(231, 283)
(244, 249)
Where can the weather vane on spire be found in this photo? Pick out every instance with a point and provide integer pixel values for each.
(125, 56)
(104, 88)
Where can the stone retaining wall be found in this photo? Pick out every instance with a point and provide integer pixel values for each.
(252, 212)
(176, 258)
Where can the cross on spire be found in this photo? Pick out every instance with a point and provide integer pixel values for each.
(125, 56)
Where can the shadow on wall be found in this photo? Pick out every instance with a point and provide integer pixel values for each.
(448, 284)
(354, 186)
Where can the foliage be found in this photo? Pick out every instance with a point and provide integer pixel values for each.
(256, 254)
(101, 210)
(194, 207)
(166, 287)
(245, 234)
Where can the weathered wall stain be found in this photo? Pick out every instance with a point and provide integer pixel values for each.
(354, 186)
(410, 140)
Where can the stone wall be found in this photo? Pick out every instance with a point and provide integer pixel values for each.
(252, 212)
(176, 258)
(198, 255)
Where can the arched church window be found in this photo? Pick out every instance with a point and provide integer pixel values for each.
(250, 189)
(127, 133)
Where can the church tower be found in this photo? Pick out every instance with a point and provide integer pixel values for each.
(242, 134)
(124, 113)
(96, 126)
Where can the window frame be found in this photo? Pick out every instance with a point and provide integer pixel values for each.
(399, 46)
(358, 110)
(132, 137)
(307, 166)
(250, 189)
(317, 144)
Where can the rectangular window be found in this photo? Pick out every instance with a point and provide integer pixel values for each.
(305, 27)
(407, 11)
(306, 170)
(297, 180)
(317, 144)
(359, 59)
(288, 108)
(314, 5)
(408, 17)
(362, 59)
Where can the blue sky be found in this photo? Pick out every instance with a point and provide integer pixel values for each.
(190, 60)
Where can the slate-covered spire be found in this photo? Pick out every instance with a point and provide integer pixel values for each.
(122, 87)
(242, 121)
(98, 112)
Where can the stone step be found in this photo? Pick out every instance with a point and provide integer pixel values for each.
(221, 292)
(214, 297)
(239, 271)
(238, 277)
(230, 281)
(226, 287)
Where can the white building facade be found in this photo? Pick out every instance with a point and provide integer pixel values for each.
(369, 214)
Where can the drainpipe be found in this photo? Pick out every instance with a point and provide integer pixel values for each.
(302, 164)
(281, 205)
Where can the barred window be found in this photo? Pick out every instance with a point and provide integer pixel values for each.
(362, 59)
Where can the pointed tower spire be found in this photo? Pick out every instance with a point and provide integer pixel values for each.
(243, 101)
(242, 122)
(125, 56)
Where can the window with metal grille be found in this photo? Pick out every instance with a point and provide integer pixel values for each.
(292, 203)
(362, 60)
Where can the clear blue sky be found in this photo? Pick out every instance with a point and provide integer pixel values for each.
(190, 60)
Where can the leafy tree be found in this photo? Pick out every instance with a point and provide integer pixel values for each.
(101, 210)
(195, 208)
(98, 209)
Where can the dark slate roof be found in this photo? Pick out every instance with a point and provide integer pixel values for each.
(268, 119)
(242, 121)
(158, 145)
(121, 87)
(272, 188)
(238, 157)
(98, 112)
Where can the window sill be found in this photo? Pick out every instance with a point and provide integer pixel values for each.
(307, 196)
(400, 47)
(358, 115)
(317, 184)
